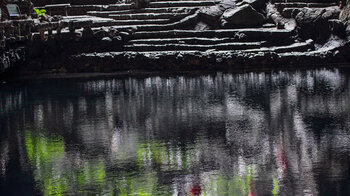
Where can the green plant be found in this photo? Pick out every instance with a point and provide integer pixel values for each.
(40, 12)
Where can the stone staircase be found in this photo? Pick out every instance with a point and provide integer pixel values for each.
(157, 29)
(165, 32)
(225, 39)
(159, 12)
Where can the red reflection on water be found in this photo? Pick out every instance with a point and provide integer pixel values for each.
(252, 188)
(282, 158)
(196, 190)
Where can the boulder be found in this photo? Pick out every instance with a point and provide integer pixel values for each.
(290, 12)
(337, 28)
(140, 3)
(124, 35)
(347, 32)
(256, 4)
(106, 39)
(244, 15)
(281, 22)
(101, 34)
(200, 26)
(345, 14)
(117, 39)
(307, 15)
(87, 33)
(211, 15)
(227, 4)
(313, 22)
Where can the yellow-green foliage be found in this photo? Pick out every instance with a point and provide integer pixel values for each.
(40, 12)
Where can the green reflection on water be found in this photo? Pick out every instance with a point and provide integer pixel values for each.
(54, 173)
(43, 152)
(236, 185)
(153, 152)
(40, 148)
(142, 184)
(275, 187)
(169, 157)
(61, 172)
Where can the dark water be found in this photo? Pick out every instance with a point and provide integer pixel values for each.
(284, 133)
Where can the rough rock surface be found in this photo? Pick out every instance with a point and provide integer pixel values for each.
(278, 19)
(244, 15)
(313, 22)
(140, 3)
(211, 15)
(205, 60)
(290, 12)
(345, 14)
(201, 26)
(337, 28)
(256, 4)
(347, 31)
(183, 35)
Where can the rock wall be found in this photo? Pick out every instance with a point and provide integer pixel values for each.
(191, 61)
(12, 46)
(9, 58)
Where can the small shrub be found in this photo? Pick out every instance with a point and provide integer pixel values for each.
(40, 12)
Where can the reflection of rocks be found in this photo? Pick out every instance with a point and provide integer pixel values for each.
(174, 131)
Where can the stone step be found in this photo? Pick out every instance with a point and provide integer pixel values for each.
(281, 6)
(295, 47)
(169, 53)
(308, 45)
(139, 22)
(119, 6)
(188, 40)
(152, 10)
(261, 33)
(141, 11)
(125, 25)
(100, 13)
(160, 4)
(143, 16)
(222, 46)
(83, 9)
(145, 27)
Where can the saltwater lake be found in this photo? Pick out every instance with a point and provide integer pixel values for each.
(254, 133)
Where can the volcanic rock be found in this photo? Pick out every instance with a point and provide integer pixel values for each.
(244, 15)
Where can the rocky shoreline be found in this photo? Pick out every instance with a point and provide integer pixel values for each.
(197, 35)
(209, 60)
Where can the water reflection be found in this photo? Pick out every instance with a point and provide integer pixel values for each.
(281, 133)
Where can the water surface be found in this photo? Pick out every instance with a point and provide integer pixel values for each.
(276, 133)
